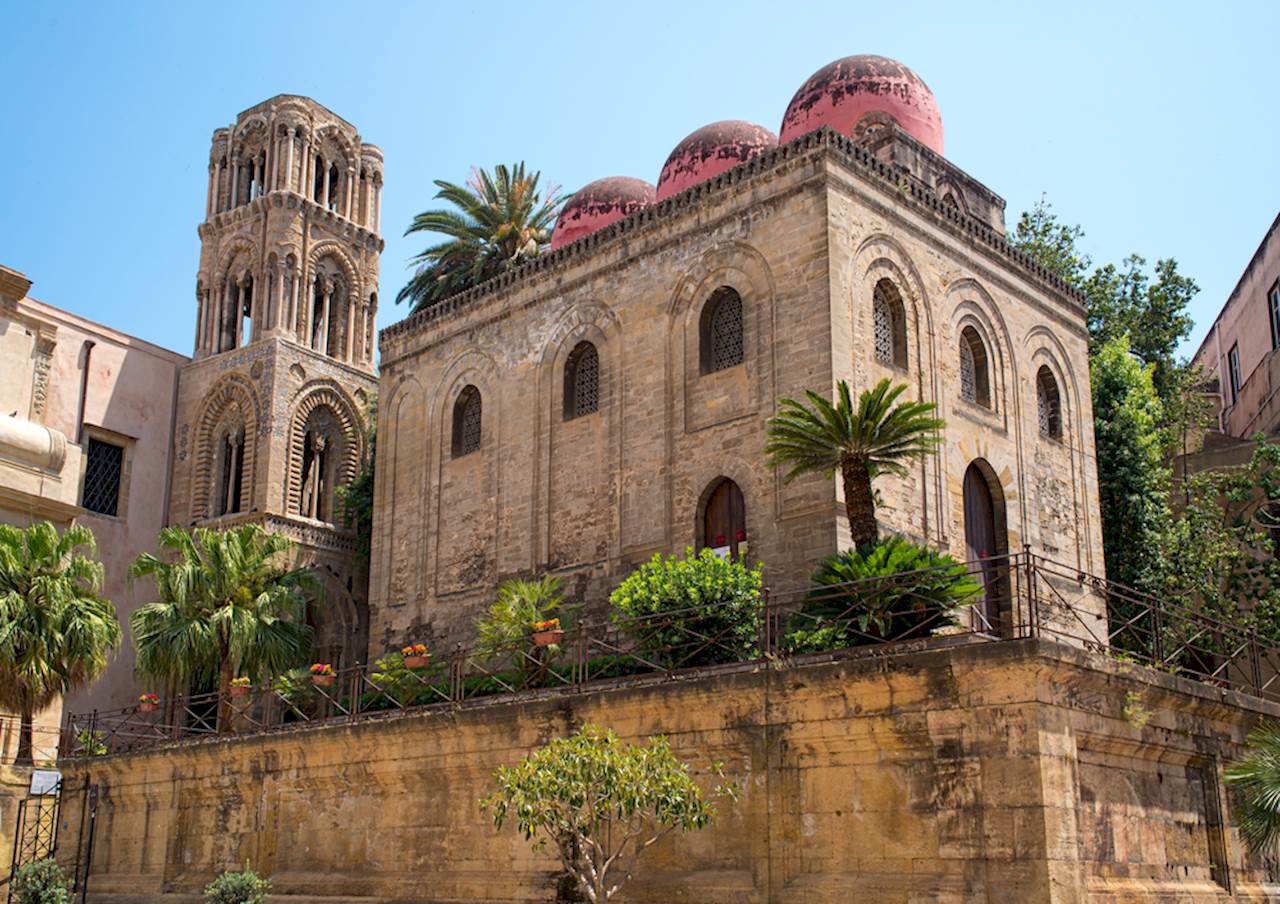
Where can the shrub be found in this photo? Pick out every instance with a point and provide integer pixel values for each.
(698, 610)
(407, 687)
(898, 590)
(237, 888)
(41, 882)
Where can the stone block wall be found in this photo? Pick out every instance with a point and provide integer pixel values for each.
(1020, 771)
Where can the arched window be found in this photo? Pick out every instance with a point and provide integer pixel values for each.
(889, 324)
(322, 453)
(724, 519)
(975, 382)
(466, 422)
(230, 472)
(720, 331)
(582, 381)
(1048, 404)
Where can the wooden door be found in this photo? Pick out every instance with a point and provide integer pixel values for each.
(724, 524)
(980, 540)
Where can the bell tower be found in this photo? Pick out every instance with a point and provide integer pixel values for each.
(272, 411)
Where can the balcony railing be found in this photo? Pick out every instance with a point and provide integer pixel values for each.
(991, 601)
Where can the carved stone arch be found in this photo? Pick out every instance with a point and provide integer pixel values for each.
(881, 256)
(1046, 350)
(755, 282)
(704, 480)
(323, 394)
(333, 249)
(234, 249)
(472, 367)
(330, 138)
(231, 400)
(972, 305)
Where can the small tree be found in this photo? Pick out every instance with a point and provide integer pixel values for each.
(601, 803)
(55, 627)
(506, 629)
(880, 436)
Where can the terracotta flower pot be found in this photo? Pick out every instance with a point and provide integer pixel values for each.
(323, 680)
(148, 707)
(240, 690)
(547, 638)
(417, 662)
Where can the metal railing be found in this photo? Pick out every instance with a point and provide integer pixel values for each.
(993, 600)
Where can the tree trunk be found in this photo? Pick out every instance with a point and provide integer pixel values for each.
(859, 504)
(224, 694)
(26, 746)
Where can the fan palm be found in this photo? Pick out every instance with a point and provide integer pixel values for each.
(497, 221)
(880, 436)
(228, 606)
(1257, 779)
(55, 628)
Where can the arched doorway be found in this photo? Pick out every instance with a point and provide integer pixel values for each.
(986, 540)
(724, 519)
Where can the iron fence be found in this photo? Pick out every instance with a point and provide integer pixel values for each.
(1011, 597)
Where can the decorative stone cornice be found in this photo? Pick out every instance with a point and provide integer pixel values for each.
(815, 144)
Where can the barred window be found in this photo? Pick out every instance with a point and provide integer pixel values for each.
(721, 331)
(889, 325)
(103, 465)
(582, 381)
(466, 422)
(1049, 404)
(975, 385)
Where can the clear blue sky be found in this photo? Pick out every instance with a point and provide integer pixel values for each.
(1156, 126)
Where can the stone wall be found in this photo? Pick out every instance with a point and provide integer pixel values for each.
(1018, 771)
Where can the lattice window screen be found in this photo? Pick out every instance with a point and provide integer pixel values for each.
(1048, 404)
(968, 385)
(585, 381)
(468, 424)
(883, 329)
(726, 332)
(102, 477)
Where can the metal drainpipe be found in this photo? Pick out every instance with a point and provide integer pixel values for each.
(84, 390)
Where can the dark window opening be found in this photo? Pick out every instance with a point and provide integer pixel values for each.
(889, 325)
(720, 331)
(582, 381)
(1049, 404)
(466, 422)
(1273, 307)
(975, 383)
(104, 463)
(1233, 369)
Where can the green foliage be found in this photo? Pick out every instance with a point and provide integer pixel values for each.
(1150, 306)
(355, 499)
(496, 222)
(880, 436)
(698, 610)
(91, 743)
(506, 630)
(408, 687)
(897, 590)
(237, 888)
(55, 627)
(601, 803)
(1133, 482)
(229, 606)
(41, 882)
(1255, 781)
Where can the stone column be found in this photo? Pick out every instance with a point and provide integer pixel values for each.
(277, 309)
(308, 320)
(351, 183)
(348, 346)
(217, 186)
(235, 185)
(288, 163)
(377, 206)
(294, 279)
(208, 204)
(324, 194)
(239, 311)
(325, 313)
(199, 320)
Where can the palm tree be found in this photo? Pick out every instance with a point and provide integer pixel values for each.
(497, 221)
(1256, 778)
(879, 437)
(228, 606)
(55, 628)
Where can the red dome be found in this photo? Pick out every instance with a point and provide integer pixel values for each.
(710, 151)
(842, 93)
(597, 205)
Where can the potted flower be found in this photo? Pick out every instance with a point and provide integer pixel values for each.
(240, 687)
(416, 656)
(546, 633)
(148, 703)
(322, 675)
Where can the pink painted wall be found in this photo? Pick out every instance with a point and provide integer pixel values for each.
(131, 391)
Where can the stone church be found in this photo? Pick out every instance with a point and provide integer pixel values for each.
(609, 399)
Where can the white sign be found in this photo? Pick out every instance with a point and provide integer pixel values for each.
(45, 781)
